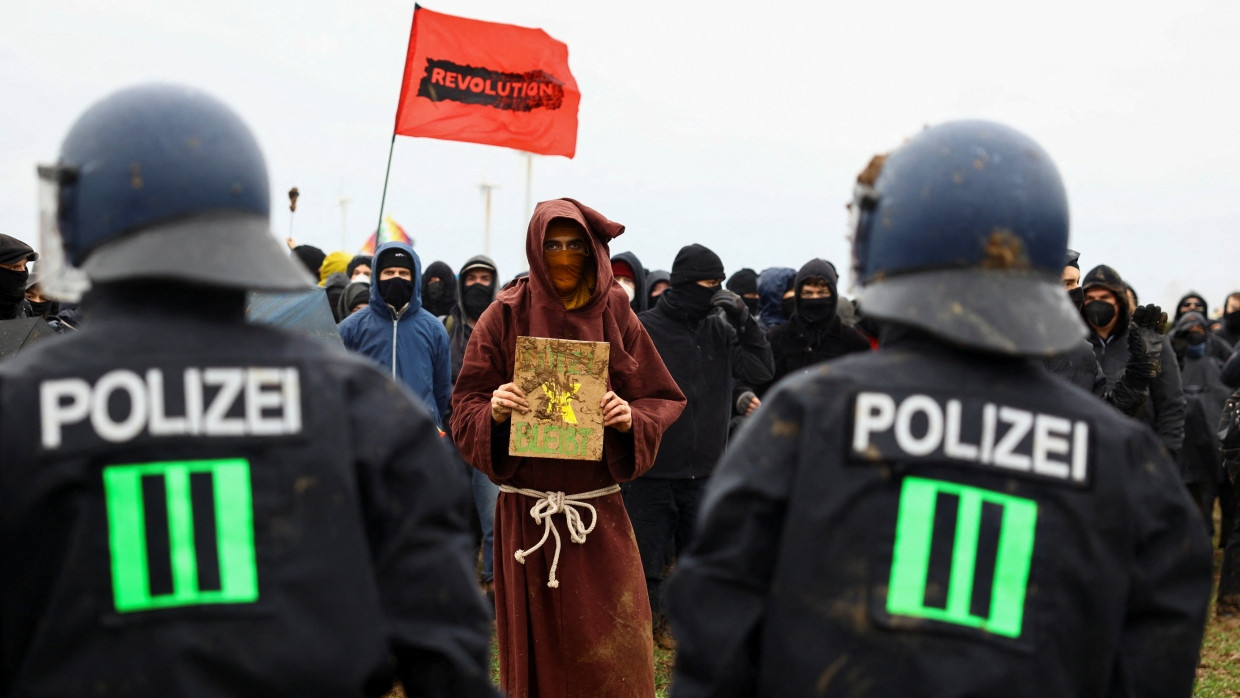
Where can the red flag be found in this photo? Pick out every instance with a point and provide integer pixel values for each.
(483, 82)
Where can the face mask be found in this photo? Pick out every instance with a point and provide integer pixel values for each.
(12, 286)
(1099, 313)
(436, 290)
(41, 309)
(627, 284)
(1195, 339)
(814, 310)
(566, 267)
(364, 278)
(787, 306)
(475, 299)
(1231, 321)
(1195, 351)
(396, 292)
(753, 305)
(692, 299)
(1077, 296)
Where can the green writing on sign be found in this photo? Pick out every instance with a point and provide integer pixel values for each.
(549, 439)
(910, 567)
(561, 358)
(128, 534)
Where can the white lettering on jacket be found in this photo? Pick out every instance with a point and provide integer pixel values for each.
(998, 436)
(248, 401)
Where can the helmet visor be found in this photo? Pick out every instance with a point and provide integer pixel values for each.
(58, 278)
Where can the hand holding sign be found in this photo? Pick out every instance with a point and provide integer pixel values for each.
(505, 399)
(616, 413)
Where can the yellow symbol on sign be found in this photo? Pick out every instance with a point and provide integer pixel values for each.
(561, 400)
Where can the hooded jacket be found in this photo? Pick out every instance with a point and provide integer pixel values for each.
(459, 328)
(772, 283)
(798, 343)
(546, 635)
(439, 307)
(1217, 347)
(1165, 409)
(641, 300)
(653, 278)
(410, 345)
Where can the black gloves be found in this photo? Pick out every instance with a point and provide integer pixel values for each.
(732, 305)
(1145, 339)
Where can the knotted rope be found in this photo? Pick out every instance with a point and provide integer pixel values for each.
(551, 503)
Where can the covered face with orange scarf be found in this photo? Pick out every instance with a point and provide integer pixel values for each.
(567, 252)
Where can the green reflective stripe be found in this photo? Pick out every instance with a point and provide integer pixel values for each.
(127, 537)
(910, 567)
(234, 521)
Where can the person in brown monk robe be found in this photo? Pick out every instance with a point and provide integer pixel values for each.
(572, 619)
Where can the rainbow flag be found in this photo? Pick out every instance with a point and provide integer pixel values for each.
(389, 231)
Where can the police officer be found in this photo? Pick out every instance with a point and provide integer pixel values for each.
(944, 517)
(195, 506)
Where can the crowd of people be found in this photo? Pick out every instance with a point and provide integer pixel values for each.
(793, 484)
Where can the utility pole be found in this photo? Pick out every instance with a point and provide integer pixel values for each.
(486, 188)
(344, 202)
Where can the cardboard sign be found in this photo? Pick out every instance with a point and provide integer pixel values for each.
(564, 381)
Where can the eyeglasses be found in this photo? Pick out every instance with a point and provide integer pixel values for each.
(559, 246)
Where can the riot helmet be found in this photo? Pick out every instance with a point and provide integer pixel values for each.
(961, 232)
(162, 182)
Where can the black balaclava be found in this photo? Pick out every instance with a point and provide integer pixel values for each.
(742, 282)
(692, 264)
(1231, 321)
(476, 298)
(396, 292)
(815, 315)
(12, 291)
(438, 289)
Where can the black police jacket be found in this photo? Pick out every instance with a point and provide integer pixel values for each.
(198, 507)
(704, 356)
(929, 522)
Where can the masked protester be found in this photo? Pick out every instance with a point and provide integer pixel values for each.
(866, 535)
(1229, 329)
(814, 332)
(558, 603)
(242, 512)
(14, 272)
(398, 334)
(707, 339)
(354, 297)
(773, 284)
(657, 282)
(744, 283)
(1106, 313)
(358, 268)
(631, 276)
(1216, 347)
(439, 289)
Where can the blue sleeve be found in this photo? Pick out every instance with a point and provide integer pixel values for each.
(443, 375)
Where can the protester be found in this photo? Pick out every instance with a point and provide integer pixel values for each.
(439, 289)
(242, 512)
(707, 339)
(311, 257)
(1216, 346)
(657, 282)
(773, 283)
(334, 263)
(398, 334)
(15, 257)
(1229, 330)
(631, 276)
(1107, 315)
(358, 268)
(1201, 462)
(744, 283)
(814, 332)
(477, 284)
(868, 535)
(572, 619)
(354, 297)
(333, 289)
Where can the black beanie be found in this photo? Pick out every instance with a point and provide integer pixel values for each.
(311, 257)
(356, 262)
(696, 263)
(1072, 259)
(393, 257)
(743, 281)
(13, 250)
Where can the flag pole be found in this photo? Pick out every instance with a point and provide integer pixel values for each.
(383, 199)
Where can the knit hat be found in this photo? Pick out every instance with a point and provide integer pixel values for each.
(311, 257)
(13, 250)
(356, 262)
(696, 263)
(743, 281)
(393, 257)
(1072, 259)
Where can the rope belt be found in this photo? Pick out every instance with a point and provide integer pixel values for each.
(551, 503)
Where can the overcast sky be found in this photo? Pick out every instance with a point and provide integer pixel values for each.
(729, 124)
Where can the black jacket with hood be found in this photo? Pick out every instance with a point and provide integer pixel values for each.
(704, 355)
(1217, 346)
(641, 301)
(1165, 409)
(800, 343)
(460, 328)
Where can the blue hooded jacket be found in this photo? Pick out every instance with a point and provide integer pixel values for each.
(412, 345)
(772, 283)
